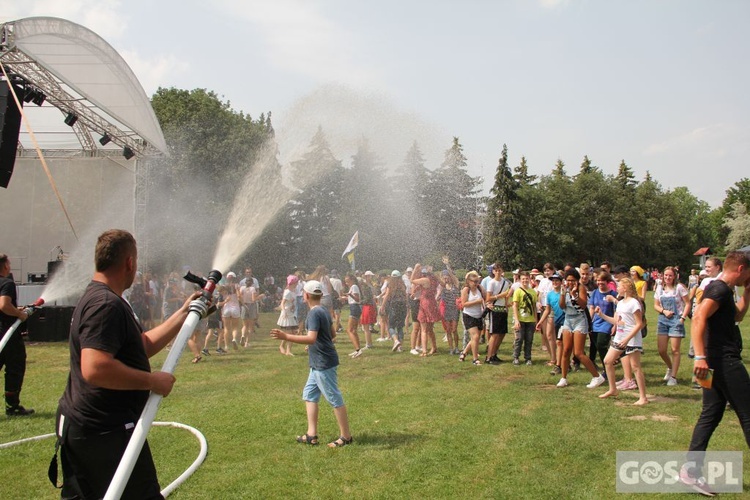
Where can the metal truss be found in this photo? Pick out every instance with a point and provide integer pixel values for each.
(90, 118)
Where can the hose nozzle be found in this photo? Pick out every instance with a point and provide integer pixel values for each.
(207, 284)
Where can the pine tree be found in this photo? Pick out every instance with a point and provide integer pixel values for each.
(625, 178)
(407, 207)
(521, 174)
(502, 240)
(311, 214)
(454, 205)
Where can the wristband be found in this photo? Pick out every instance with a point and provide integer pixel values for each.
(699, 358)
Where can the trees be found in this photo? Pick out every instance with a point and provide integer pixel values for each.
(738, 224)
(454, 202)
(406, 199)
(501, 242)
(211, 147)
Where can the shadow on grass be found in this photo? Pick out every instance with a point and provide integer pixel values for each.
(391, 440)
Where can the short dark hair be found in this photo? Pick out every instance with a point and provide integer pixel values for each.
(574, 273)
(735, 259)
(112, 248)
(3, 259)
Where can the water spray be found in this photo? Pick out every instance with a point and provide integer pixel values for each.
(199, 309)
(29, 310)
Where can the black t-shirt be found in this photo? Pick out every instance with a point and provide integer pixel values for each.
(7, 289)
(723, 338)
(104, 321)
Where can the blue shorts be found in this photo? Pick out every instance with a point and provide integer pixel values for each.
(323, 382)
(577, 323)
(355, 311)
(670, 326)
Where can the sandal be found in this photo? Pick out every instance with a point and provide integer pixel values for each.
(308, 439)
(476, 362)
(462, 356)
(340, 442)
(197, 358)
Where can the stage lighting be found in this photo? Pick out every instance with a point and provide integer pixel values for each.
(127, 153)
(71, 119)
(29, 95)
(105, 139)
(39, 98)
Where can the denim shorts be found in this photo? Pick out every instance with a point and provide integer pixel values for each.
(577, 323)
(355, 311)
(670, 326)
(323, 382)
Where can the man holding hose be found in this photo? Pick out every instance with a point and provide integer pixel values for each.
(110, 377)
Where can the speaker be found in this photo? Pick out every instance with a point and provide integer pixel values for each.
(50, 324)
(10, 126)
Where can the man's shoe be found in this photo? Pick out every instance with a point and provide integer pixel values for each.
(18, 411)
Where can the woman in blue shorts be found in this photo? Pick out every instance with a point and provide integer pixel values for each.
(673, 305)
(355, 312)
(575, 329)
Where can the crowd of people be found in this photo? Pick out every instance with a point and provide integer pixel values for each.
(584, 317)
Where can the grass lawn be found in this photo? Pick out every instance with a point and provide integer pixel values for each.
(430, 427)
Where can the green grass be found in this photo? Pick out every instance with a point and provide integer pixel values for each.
(432, 427)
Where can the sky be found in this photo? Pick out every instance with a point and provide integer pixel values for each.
(661, 84)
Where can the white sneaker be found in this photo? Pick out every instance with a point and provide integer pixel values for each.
(366, 346)
(672, 381)
(414, 352)
(563, 382)
(356, 353)
(668, 375)
(381, 339)
(595, 382)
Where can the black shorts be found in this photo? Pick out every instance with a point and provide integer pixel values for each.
(414, 305)
(498, 322)
(472, 322)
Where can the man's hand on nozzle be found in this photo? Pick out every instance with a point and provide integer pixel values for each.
(186, 305)
(162, 383)
(23, 316)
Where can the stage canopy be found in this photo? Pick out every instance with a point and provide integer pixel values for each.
(81, 74)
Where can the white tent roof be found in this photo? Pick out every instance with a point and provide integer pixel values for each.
(86, 63)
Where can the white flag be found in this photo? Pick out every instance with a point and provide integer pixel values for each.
(352, 245)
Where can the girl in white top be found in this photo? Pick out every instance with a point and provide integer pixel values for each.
(230, 309)
(287, 320)
(672, 303)
(249, 297)
(472, 298)
(626, 325)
